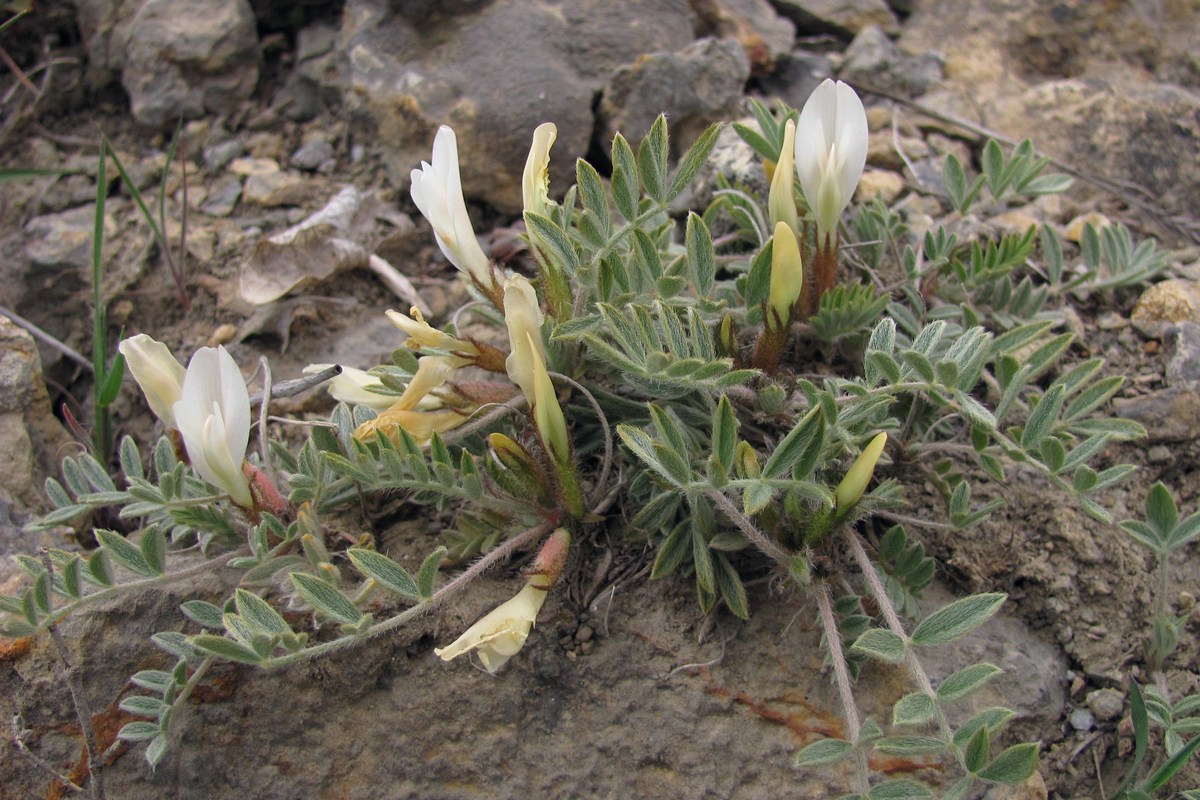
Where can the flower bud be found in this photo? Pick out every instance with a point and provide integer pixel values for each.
(787, 276)
(859, 475)
(548, 414)
(422, 334)
(781, 201)
(523, 316)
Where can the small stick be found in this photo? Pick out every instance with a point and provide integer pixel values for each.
(46, 338)
(298, 385)
(400, 285)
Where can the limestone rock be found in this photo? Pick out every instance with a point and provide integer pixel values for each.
(694, 87)
(174, 57)
(412, 67)
(31, 437)
(1164, 304)
(884, 184)
(766, 37)
(874, 60)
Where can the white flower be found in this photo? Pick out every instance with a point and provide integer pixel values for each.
(781, 201)
(502, 633)
(213, 415)
(354, 386)
(523, 316)
(831, 150)
(535, 184)
(437, 191)
(157, 372)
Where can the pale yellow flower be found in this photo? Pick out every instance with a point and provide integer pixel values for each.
(535, 184)
(523, 316)
(422, 334)
(787, 273)
(353, 386)
(157, 372)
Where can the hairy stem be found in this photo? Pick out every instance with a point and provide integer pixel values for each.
(756, 537)
(841, 678)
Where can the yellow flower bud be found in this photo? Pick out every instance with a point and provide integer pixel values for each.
(523, 316)
(157, 372)
(787, 276)
(547, 413)
(859, 475)
(781, 201)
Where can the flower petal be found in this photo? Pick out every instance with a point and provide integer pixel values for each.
(523, 316)
(157, 372)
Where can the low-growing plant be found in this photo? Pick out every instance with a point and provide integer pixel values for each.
(666, 368)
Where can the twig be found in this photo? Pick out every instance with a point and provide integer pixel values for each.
(72, 672)
(262, 411)
(296, 386)
(46, 338)
(18, 737)
(922, 523)
(398, 282)
(497, 410)
(841, 678)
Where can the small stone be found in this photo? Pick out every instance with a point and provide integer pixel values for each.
(1169, 415)
(1164, 303)
(1015, 221)
(584, 634)
(219, 156)
(1106, 704)
(1187, 601)
(838, 16)
(1184, 367)
(587, 647)
(880, 183)
(1074, 231)
(223, 334)
(63, 241)
(1082, 720)
(274, 189)
(222, 198)
(1111, 321)
(1160, 454)
(312, 155)
(253, 166)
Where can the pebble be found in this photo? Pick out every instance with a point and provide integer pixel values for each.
(312, 155)
(1160, 454)
(222, 199)
(274, 189)
(1074, 231)
(880, 183)
(1082, 720)
(584, 634)
(1106, 704)
(1184, 367)
(253, 166)
(219, 156)
(223, 334)
(1164, 303)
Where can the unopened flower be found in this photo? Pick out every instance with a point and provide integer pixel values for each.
(157, 372)
(523, 316)
(501, 634)
(547, 413)
(831, 150)
(354, 386)
(781, 201)
(213, 417)
(787, 275)
(859, 475)
(437, 191)
(535, 184)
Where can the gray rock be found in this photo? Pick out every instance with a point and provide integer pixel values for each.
(1169, 415)
(694, 86)
(1081, 719)
(873, 60)
(30, 435)
(1106, 704)
(1183, 369)
(766, 37)
(222, 198)
(409, 68)
(174, 57)
(312, 155)
(218, 156)
(272, 189)
(840, 17)
(63, 241)
(797, 76)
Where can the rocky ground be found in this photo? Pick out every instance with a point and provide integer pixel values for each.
(624, 689)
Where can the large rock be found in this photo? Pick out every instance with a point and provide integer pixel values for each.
(410, 68)
(699, 84)
(31, 437)
(174, 57)
(840, 17)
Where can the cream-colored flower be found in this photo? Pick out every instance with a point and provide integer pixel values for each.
(437, 191)
(422, 334)
(859, 475)
(547, 413)
(407, 410)
(157, 372)
(354, 386)
(523, 316)
(535, 184)
(787, 273)
(213, 416)
(831, 150)
(501, 634)
(781, 201)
